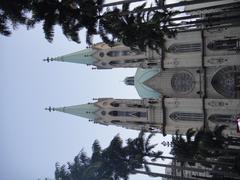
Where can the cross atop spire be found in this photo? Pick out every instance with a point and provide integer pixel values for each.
(82, 57)
(48, 59)
(84, 110)
(50, 109)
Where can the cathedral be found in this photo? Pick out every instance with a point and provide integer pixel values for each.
(194, 81)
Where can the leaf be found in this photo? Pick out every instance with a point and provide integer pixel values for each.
(125, 7)
(189, 134)
(139, 8)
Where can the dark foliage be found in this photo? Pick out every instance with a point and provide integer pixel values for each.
(13, 13)
(71, 15)
(112, 163)
(199, 145)
(137, 29)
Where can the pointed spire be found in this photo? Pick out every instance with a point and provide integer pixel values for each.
(82, 57)
(84, 110)
(48, 59)
(50, 109)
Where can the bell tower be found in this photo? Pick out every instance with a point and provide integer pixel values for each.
(165, 115)
(102, 56)
(129, 113)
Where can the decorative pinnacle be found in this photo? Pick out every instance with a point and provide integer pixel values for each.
(48, 59)
(50, 109)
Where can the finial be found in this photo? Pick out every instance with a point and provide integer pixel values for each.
(50, 109)
(48, 59)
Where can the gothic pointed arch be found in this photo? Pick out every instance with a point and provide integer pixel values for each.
(186, 116)
(184, 47)
(227, 82)
(128, 114)
(224, 44)
(221, 118)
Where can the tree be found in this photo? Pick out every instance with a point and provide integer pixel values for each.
(13, 13)
(207, 148)
(78, 168)
(114, 162)
(71, 15)
(61, 172)
(140, 148)
(184, 148)
(136, 30)
(118, 161)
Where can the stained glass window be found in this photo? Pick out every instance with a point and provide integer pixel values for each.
(221, 118)
(226, 81)
(184, 48)
(225, 44)
(183, 116)
(182, 82)
(128, 113)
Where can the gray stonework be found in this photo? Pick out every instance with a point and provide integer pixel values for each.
(197, 79)
(169, 114)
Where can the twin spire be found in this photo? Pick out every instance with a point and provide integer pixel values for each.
(85, 110)
(101, 56)
(82, 57)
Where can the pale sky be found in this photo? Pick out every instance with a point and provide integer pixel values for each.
(32, 140)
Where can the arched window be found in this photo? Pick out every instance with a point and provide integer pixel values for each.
(113, 63)
(152, 64)
(115, 104)
(118, 53)
(182, 116)
(184, 48)
(221, 118)
(226, 80)
(136, 105)
(114, 113)
(115, 121)
(226, 44)
(139, 114)
(128, 114)
(103, 113)
(101, 54)
(134, 61)
(139, 123)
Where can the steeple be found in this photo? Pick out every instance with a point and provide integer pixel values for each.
(127, 113)
(85, 110)
(103, 56)
(82, 57)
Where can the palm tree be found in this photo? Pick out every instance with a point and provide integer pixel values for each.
(184, 148)
(118, 161)
(136, 30)
(203, 148)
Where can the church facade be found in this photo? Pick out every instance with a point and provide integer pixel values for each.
(193, 81)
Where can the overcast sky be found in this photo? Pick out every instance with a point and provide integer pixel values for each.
(32, 140)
